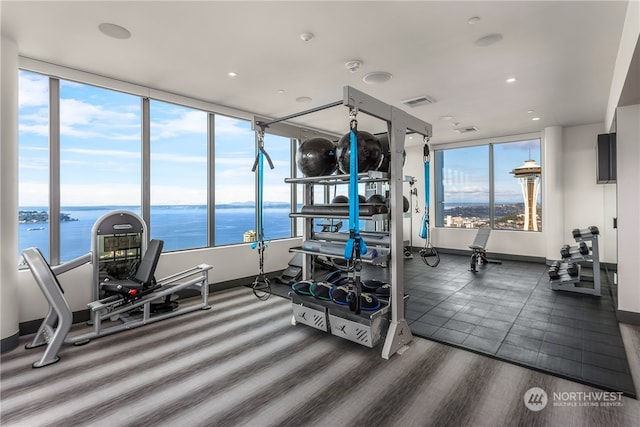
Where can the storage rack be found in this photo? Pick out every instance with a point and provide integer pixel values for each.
(398, 124)
(570, 283)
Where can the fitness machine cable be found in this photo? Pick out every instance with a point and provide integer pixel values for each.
(428, 253)
(355, 246)
(261, 286)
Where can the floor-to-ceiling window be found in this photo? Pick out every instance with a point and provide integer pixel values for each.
(100, 133)
(277, 195)
(82, 153)
(235, 186)
(33, 161)
(178, 175)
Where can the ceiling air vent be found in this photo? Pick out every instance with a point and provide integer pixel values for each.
(466, 129)
(420, 100)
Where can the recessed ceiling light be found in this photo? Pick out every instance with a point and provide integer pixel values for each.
(280, 91)
(114, 31)
(488, 40)
(535, 119)
(529, 111)
(305, 37)
(232, 74)
(303, 99)
(473, 20)
(446, 118)
(511, 80)
(377, 77)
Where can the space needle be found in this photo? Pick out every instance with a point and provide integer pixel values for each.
(529, 176)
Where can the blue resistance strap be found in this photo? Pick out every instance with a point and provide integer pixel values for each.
(261, 288)
(424, 230)
(355, 245)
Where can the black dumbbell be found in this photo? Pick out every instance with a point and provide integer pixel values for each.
(584, 249)
(565, 251)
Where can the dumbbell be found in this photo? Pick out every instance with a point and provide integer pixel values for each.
(567, 251)
(585, 232)
(557, 269)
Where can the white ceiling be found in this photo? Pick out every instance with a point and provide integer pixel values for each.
(562, 53)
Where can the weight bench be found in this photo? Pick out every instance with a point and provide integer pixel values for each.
(479, 251)
(128, 302)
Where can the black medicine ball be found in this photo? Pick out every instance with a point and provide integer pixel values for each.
(386, 153)
(369, 152)
(317, 157)
(340, 199)
(376, 198)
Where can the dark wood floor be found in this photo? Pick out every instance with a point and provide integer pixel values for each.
(242, 363)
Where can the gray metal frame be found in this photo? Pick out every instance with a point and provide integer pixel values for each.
(398, 123)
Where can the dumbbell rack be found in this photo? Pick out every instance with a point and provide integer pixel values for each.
(566, 279)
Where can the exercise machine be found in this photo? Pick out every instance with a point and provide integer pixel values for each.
(128, 295)
(479, 251)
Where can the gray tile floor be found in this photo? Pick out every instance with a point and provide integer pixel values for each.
(509, 312)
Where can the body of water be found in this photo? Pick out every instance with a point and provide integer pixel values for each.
(180, 227)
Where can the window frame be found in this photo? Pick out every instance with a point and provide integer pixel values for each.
(55, 73)
(490, 142)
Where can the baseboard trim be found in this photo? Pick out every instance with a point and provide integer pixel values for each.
(628, 317)
(9, 343)
(494, 255)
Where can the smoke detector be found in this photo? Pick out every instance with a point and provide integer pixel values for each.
(466, 129)
(420, 100)
(353, 65)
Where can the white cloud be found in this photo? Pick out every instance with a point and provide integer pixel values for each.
(193, 121)
(33, 193)
(227, 126)
(34, 90)
(177, 158)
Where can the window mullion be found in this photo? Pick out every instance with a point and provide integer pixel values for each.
(54, 171)
(145, 207)
(491, 189)
(211, 179)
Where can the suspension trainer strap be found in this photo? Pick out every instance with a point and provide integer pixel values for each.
(424, 230)
(429, 254)
(261, 287)
(355, 246)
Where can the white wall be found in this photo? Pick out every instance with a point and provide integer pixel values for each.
(586, 203)
(628, 181)
(228, 263)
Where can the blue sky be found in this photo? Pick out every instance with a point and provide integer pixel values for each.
(100, 153)
(100, 150)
